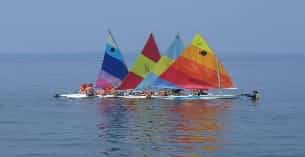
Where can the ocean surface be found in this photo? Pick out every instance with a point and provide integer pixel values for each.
(34, 124)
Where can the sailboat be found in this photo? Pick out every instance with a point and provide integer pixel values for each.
(199, 68)
(113, 69)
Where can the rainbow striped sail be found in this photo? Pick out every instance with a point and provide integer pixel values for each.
(144, 64)
(113, 69)
(198, 68)
(152, 80)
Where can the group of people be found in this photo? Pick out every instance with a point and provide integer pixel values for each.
(163, 92)
(255, 96)
(87, 88)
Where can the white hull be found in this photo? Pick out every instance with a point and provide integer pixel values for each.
(106, 96)
(217, 96)
(83, 96)
(171, 97)
(75, 96)
(202, 97)
(133, 97)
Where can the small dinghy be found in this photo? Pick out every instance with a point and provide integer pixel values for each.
(197, 69)
(113, 70)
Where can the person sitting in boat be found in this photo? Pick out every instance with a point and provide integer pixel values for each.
(148, 94)
(203, 92)
(113, 90)
(99, 91)
(254, 96)
(163, 93)
(195, 92)
(107, 90)
(176, 92)
(90, 90)
(140, 93)
(82, 89)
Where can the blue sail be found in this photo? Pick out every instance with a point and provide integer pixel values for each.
(113, 69)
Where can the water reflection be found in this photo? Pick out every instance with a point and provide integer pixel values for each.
(162, 128)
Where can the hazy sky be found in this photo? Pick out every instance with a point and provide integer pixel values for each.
(41, 26)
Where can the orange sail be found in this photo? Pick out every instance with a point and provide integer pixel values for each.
(198, 68)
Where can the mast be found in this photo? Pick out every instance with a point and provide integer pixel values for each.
(116, 44)
(218, 72)
(109, 32)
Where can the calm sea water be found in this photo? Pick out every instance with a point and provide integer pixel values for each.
(34, 124)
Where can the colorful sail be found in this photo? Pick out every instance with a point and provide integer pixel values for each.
(152, 80)
(198, 68)
(113, 69)
(144, 64)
